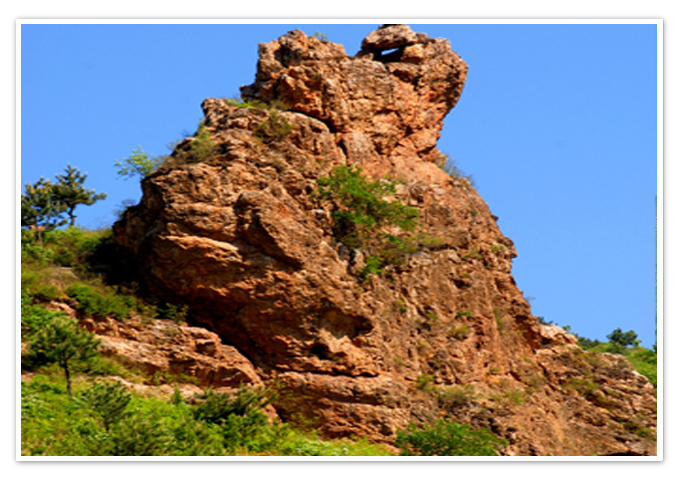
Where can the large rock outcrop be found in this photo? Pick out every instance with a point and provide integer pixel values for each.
(242, 238)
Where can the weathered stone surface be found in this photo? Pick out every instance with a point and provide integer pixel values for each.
(161, 346)
(244, 241)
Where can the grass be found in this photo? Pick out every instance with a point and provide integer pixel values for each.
(53, 424)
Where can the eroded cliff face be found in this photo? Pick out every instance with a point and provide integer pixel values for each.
(242, 238)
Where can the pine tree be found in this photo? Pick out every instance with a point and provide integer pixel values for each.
(71, 193)
(108, 400)
(63, 341)
(39, 210)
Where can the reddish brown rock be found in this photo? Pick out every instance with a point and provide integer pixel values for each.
(242, 239)
(163, 347)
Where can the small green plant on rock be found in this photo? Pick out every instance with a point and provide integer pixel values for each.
(459, 333)
(361, 213)
(497, 248)
(501, 324)
(457, 396)
(274, 129)
(449, 166)
(473, 254)
(424, 382)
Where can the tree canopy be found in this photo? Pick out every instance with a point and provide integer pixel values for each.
(71, 193)
(44, 204)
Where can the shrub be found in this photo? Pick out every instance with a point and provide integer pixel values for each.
(372, 267)
(451, 167)
(276, 128)
(93, 303)
(501, 324)
(424, 382)
(454, 397)
(140, 434)
(445, 438)
(459, 333)
(644, 361)
(360, 212)
(217, 408)
(139, 164)
(176, 313)
(62, 341)
(108, 400)
(360, 201)
(34, 318)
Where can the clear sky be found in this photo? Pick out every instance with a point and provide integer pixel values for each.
(557, 125)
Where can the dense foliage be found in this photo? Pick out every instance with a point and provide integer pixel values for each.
(44, 203)
(446, 438)
(104, 419)
(365, 220)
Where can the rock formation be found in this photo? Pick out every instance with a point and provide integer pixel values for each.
(241, 236)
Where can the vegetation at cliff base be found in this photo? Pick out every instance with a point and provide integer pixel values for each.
(446, 438)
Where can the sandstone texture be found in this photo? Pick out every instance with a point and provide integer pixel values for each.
(243, 239)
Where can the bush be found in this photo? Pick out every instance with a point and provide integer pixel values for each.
(276, 128)
(62, 341)
(360, 212)
(451, 167)
(445, 438)
(34, 317)
(424, 382)
(360, 200)
(107, 400)
(93, 303)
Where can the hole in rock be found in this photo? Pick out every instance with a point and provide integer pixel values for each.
(390, 55)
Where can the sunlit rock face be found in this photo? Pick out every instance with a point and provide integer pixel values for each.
(243, 239)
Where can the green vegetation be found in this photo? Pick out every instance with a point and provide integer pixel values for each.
(424, 382)
(450, 166)
(138, 164)
(446, 438)
(276, 128)
(104, 419)
(108, 400)
(198, 148)
(455, 397)
(501, 324)
(643, 360)
(60, 340)
(459, 333)
(201, 148)
(361, 215)
(361, 207)
(320, 36)
(44, 203)
(103, 303)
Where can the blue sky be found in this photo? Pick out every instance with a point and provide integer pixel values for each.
(557, 124)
